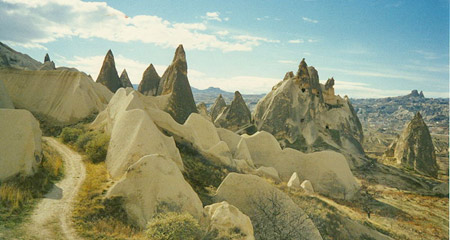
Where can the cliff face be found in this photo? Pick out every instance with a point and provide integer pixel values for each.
(306, 115)
(235, 116)
(414, 148)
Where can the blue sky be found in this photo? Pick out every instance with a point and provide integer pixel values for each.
(372, 48)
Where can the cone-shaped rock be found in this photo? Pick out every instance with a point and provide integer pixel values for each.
(150, 82)
(414, 148)
(235, 116)
(46, 58)
(202, 110)
(217, 107)
(108, 74)
(175, 82)
(125, 80)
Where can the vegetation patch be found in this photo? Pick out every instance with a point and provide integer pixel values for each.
(53, 128)
(203, 175)
(18, 194)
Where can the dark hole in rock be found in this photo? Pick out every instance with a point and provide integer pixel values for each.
(303, 90)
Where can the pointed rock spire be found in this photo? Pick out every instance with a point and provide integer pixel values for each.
(46, 58)
(217, 107)
(303, 73)
(108, 74)
(235, 116)
(150, 81)
(414, 148)
(329, 84)
(125, 80)
(421, 94)
(175, 82)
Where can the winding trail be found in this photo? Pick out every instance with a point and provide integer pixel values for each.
(52, 218)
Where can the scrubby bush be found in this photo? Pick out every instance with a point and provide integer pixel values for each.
(97, 147)
(83, 140)
(70, 134)
(173, 226)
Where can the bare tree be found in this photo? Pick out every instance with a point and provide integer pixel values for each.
(274, 220)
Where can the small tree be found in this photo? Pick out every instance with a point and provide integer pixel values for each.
(273, 220)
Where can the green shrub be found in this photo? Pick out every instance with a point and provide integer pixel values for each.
(70, 134)
(174, 226)
(97, 147)
(83, 140)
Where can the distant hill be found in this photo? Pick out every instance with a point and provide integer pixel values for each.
(392, 113)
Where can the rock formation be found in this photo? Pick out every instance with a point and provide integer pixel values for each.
(108, 74)
(294, 181)
(226, 219)
(235, 116)
(307, 186)
(14, 59)
(155, 181)
(48, 64)
(414, 148)
(175, 83)
(328, 171)
(202, 110)
(249, 193)
(125, 80)
(20, 146)
(5, 100)
(306, 115)
(61, 96)
(150, 82)
(217, 107)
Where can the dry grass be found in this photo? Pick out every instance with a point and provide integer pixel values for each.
(19, 193)
(97, 218)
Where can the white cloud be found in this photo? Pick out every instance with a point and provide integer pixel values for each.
(223, 33)
(214, 16)
(381, 74)
(428, 55)
(33, 23)
(312, 40)
(254, 40)
(287, 61)
(297, 41)
(309, 20)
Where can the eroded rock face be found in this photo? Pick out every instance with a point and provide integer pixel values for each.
(306, 115)
(249, 193)
(235, 116)
(20, 143)
(152, 182)
(108, 74)
(48, 64)
(175, 83)
(217, 107)
(11, 58)
(61, 96)
(202, 110)
(125, 80)
(5, 100)
(414, 148)
(150, 82)
(227, 219)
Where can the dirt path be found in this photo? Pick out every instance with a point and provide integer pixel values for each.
(52, 217)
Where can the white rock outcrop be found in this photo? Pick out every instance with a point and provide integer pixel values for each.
(328, 171)
(153, 181)
(226, 219)
(61, 96)
(20, 147)
(268, 172)
(249, 193)
(5, 100)
(307, 186)
(294, 181)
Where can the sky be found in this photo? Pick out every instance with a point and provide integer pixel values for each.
(372, 48)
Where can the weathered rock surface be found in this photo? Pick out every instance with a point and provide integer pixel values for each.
(11, 58)
(48, 64)
(20, 147)
(227, 218)
(328, 171)
(303, 114)
(5, 100)
(268, 172)
(125, 80)
(202, 110)
(247, 192)
(235, 116)
(307, 186)
(150, 82)
(414, 148)
(152, 182)
(108, 73)
(294, 181)
(175, 83)
(61, 96)
(217, 107)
